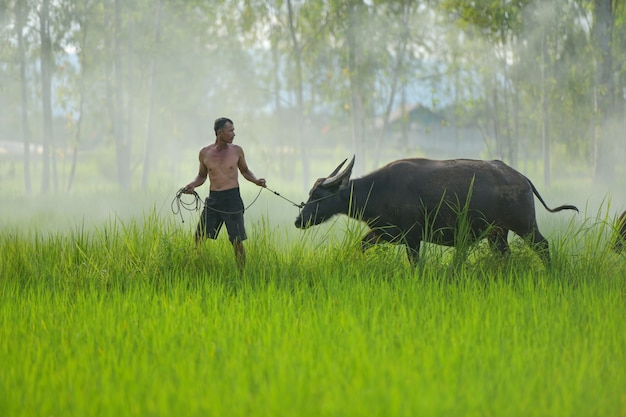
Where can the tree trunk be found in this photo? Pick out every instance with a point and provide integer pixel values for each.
(398, 70)
(508, 92)
(130, 115)
(495, 118)
(46, 98)
(20, 18)
(405, 124)
(602, 35)
(300, 99)
(121, 141)
(516, 128)
(81, 104)
(147, 161)
(355, 69)
(545, 116)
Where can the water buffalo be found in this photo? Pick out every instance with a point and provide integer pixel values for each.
(447, 202)
(620, 238)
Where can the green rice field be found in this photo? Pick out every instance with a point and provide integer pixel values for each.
(129, 318)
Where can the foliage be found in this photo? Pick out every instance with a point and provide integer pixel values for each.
(325, 71)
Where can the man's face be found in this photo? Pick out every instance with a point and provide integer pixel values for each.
(227, 133)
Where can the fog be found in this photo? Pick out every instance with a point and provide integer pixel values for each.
(136, 86)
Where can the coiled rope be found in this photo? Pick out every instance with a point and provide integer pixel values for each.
(178, 204)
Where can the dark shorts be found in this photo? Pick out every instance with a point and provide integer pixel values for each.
(222, 207)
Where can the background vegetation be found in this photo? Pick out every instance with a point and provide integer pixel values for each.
(119, 93)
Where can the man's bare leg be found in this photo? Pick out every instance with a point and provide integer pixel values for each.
(240, 254)
(200, 237)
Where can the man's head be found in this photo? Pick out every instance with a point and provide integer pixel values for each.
(220, 123)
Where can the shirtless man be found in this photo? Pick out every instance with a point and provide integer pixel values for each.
(220, 161)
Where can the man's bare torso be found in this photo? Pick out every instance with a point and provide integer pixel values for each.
(222, 166)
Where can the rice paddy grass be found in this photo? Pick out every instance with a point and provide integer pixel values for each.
(132, 318)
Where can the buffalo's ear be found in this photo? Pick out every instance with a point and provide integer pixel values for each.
(344, 182)
(340, 179)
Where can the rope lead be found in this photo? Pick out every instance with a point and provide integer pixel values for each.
(276, 193)
(178, 204)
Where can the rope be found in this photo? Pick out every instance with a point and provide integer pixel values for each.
(284, 198)
(301, 205)
(178, 204)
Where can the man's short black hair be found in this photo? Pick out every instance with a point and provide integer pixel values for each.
(220, 122)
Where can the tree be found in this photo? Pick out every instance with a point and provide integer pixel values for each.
(148, 152)
(46, 98)
(602, 33)
(80, 15)
(21, 11)
(297, 64)
(299, 88)
(499, 23)
(398, 69)
(122, 141)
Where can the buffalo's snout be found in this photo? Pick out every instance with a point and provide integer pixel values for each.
(300, 223)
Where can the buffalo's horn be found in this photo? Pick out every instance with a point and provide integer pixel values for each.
(337, 178)
(337, 169)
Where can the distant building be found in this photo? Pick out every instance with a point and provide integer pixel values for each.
(434, 134)
(15, 149)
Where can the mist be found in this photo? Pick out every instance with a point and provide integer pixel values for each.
(105, 104)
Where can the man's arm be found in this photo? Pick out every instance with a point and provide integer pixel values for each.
(247, 174)
(200, 178)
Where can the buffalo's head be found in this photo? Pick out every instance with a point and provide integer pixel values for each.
(321, 204)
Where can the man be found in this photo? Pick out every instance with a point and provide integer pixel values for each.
(220, 161)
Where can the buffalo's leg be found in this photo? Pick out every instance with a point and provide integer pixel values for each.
(498, 240)
(376, 236)
(413, 252)
(540, 245)
(372, 238)
(531, 234)
(369, 240)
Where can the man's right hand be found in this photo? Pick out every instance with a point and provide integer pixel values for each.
(186, 190)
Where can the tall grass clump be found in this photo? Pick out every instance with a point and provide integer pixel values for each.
(132, 318)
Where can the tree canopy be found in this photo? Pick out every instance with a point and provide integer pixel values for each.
(141, 82)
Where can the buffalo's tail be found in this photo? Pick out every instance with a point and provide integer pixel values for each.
(554, 210)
